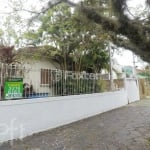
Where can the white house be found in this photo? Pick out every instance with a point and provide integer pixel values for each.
(36, 71)
(38, 74)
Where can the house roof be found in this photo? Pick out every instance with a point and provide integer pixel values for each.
(43, 51)
(37, 53)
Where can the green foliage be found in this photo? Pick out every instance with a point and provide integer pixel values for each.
(146, 75)
(31, 35)
(12, 28)
(78, 86)
(124, 24)
(64, 27)
(80, 44)
(96, 57)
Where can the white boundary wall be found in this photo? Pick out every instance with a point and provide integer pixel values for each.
(21, 118)
(132, 88)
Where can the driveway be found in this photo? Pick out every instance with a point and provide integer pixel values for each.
(126, 128)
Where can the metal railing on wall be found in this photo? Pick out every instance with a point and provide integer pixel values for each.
(19, 82)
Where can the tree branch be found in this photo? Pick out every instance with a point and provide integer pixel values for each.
(134, 32)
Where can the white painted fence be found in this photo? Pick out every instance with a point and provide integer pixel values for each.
(21, 118)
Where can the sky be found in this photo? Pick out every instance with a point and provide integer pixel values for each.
(125, 59)
(127, 56)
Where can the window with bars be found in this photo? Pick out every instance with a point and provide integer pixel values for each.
(45, 76)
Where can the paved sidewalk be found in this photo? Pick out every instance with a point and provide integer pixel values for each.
(126, 128)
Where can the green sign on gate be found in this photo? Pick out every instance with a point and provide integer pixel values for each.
(13, 88)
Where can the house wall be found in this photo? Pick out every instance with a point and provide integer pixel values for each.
(32, 74)
(24, 117)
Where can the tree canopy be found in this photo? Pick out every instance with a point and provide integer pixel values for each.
(135, 30)
(79, 45)
(125, 30)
